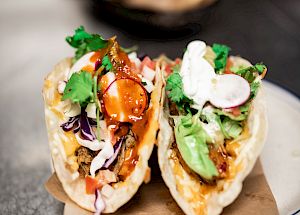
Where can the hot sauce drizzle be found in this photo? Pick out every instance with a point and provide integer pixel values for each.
(130, 97)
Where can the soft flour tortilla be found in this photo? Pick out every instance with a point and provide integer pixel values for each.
(75, 188)
(191, 196)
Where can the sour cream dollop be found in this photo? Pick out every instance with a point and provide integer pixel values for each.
(202, 84)
(196, 74)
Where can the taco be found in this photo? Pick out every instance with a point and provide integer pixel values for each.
(101, 109)
(213, 126)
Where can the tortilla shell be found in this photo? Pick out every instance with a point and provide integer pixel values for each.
(73, 185)
(189, 194)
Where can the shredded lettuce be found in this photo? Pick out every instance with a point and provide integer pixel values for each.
(231, 128)
(191, 140)
(251, 72)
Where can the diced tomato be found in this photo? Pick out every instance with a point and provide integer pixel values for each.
(228, 66)
(91, 184)
(168, 69)
(177, 61)
(235, 111)
(228, 72)
(147, 62)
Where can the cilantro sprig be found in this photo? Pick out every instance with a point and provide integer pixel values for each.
(79, 88)
(251, 72)
(85, 42)
(221, 52)
(175, 86)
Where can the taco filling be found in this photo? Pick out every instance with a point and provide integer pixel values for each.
(106, 98)
(209, 99)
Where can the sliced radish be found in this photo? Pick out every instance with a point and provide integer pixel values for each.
(229, 91)
(83, 62)
(106, 80)
(125, 100)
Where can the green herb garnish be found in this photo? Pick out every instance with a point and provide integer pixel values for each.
(106, 63)
(175, 86)
(251, 72)
(220, 61)
(79, 88)
(85, 42)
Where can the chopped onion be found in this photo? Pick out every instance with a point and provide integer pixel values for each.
(148, 86)
(148, 73)
(82, 62)
(133, 58)
(117, 148)
(94, 145)
(91, 110)
(99, 203)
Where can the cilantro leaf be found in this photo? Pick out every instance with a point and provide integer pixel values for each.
(251, 72)
(79, 88)
(175, 86)
(254, 86)
(221, 52)
(85, 42)
(106, 63)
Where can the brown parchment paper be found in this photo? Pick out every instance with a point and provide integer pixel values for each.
(154, 198)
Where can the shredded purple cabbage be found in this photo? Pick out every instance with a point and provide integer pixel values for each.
(85, 127)
(81, 123)
(72, 123)
(117, 148)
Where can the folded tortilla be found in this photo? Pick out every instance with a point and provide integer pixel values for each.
(193, 196)
(62, 145)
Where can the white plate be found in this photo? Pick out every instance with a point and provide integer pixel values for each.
(281, 154)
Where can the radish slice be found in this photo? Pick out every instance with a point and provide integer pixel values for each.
(125, 100)
(229, 91)
(83, 62)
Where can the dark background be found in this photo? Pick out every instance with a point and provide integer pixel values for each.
(261, 31)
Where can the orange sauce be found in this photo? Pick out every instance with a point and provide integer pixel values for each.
(125, 100)
(89, 68)
(131, 158)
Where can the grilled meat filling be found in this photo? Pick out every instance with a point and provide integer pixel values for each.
(84, 160)
(85, 156)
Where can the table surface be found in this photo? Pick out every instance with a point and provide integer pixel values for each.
(32, 42)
